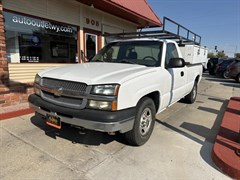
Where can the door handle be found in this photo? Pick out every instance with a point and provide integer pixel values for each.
(182, 73)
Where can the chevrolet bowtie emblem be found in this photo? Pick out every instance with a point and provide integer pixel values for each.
(58, 92)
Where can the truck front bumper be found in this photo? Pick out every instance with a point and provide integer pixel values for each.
(98, 120)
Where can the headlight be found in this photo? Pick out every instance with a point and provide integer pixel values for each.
(37, 79)
(100, 105)
(104, 90)
(108, 90)
(37, 91)
(103, 105)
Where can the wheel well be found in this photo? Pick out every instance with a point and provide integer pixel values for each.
(197, 79)
(155, 97)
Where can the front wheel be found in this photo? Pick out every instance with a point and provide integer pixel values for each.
(191, 97)
(143, 124)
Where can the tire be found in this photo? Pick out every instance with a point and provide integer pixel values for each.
(225, 74)
(143, 124)
(191, 97)
(210, 67)
(238, 78)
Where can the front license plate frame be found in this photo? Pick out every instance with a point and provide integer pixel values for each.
(53, 121)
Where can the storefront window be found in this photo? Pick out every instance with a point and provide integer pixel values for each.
(35, 40)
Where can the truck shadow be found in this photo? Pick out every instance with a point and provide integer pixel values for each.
(208, 134)
(221, 80)
(236, 85)
(75, 135)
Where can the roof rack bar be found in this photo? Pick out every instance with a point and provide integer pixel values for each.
(161, 34)
(181, 27)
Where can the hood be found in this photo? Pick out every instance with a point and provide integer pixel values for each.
(97, 73)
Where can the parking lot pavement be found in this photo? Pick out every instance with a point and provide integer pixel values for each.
(180, 146)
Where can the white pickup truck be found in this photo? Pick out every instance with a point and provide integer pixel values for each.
(120, 90)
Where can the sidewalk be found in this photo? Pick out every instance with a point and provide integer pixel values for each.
(224, 150)
(14, 111)
(228, 141)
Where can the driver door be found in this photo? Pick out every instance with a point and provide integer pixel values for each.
(178, 76)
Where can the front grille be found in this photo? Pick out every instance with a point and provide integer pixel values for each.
(71, 102)
(71, 92)
(67, 86)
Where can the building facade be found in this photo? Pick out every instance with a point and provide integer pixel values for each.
(38, 34)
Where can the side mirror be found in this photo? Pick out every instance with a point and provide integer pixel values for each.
(176, 63)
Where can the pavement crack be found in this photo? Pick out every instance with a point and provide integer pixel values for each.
(108, 157)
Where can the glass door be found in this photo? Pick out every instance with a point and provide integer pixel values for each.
(90, 45)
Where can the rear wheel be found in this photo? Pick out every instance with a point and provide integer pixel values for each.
(144, 123)
(191, 97)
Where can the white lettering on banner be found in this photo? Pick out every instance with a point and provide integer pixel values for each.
(42, 24)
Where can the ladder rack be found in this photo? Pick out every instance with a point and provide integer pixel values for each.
(189, 38)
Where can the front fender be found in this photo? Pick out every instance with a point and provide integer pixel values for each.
(129, 97)
(132, 91)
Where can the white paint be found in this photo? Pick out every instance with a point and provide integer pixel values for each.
(135, 81)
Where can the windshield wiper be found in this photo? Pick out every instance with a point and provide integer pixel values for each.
(97, 60)
(127, 61)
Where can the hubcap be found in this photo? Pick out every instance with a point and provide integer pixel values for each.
(225, 74)
(145, 121)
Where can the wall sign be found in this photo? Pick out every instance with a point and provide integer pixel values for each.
(20, 22)
(41, 23)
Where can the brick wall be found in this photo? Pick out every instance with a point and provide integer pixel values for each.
(11, 93)
(14, 94)
(3, 60)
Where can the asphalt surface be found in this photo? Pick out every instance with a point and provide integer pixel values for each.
(180, 146)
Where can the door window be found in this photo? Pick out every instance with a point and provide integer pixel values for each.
(170, 53)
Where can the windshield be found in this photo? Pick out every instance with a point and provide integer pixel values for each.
(146, 53)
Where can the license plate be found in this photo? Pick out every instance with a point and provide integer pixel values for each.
(53, 121)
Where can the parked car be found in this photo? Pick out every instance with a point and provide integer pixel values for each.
(212, 65)
(221, 68)
(233, 70)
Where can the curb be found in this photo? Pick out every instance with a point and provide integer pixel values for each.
(21, 112)
(227, 142)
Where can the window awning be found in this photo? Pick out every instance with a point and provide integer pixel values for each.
(136, 11)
